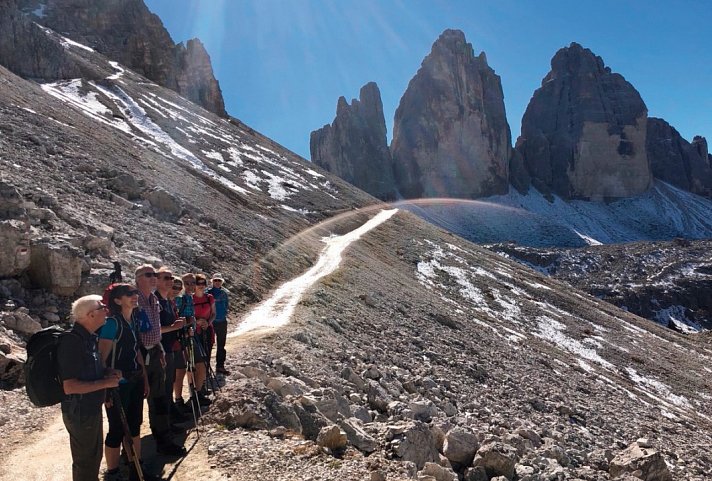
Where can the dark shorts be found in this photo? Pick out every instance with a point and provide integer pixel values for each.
(131, 395)
(179, 360)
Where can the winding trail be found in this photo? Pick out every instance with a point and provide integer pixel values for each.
(45, 455)
(278, 309)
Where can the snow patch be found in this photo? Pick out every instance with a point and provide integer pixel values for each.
(553, 331)
(119, 71)
(647, 383)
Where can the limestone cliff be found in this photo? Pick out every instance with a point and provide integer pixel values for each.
(126, 31)
(584, 131)
(677, 161)
(26, 50)
(354, 146)
(451, 136)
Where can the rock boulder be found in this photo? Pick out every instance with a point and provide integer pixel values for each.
(460, 446)
(643, 463)
(497, 458)
(56, 267)
(413, 442)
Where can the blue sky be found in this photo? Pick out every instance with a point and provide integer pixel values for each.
(282, 64)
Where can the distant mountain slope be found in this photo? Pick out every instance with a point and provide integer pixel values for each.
(134, 163)
(669, 282)
(663, 212)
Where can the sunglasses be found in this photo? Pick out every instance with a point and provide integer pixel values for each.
(100, 307)
(150, 274)
(201, 283)
(177, 288)
(189, 283)
(131, 293)
(166, 277)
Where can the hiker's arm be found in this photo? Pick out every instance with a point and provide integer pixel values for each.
(146, 388)
(179, 323)
(213, 312)
(75, 386)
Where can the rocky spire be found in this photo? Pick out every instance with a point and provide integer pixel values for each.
(451, 136)
(583, 133)
(677, 161)
(126, 31)
(354, 146)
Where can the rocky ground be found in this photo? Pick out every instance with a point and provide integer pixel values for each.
(669, 282)
(530, 378)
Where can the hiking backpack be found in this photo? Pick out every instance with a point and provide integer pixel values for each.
(44, 387)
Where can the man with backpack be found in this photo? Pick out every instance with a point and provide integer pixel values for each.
(222, 304)
(84, 381)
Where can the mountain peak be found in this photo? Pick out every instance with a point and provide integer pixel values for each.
(127, 32)
(453, 92)
(583, 133)
(354, 146)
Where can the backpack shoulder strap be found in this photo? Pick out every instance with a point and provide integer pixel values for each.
(119, 333)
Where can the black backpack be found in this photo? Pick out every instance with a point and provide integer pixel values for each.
(44, 387)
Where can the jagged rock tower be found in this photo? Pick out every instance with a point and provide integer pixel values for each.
(584, 132)
(354, 146)
(451, 136)
(676, 161)
(126, 31)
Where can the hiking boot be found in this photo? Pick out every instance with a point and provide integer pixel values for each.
(169, 448)
(175, 429)
(112, 475)
(177, 416)
(223, 371)
(179, 404)
(133, 475)
(203, 400)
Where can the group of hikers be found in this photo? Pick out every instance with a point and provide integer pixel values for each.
(139, 342)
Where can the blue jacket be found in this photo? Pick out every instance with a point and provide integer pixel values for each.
(222, 303)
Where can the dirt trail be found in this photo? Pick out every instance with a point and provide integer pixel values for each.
(45, 455)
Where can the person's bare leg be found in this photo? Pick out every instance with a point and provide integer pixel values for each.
(200, 375)
(112, 457)
(178, 384)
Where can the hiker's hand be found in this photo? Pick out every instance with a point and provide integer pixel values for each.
(202, 323)
(163, 360)
(108, 403)
(146, 388)
(111, 380)
(110, 372)
(178, 324)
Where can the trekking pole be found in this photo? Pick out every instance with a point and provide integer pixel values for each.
(127, 433)
(211, 377)
(190, 365)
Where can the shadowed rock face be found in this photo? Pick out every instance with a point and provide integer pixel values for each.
(677, 161)
(354, 146)
(26, 50)
(126, 31)
(451, 136)
(584, 131)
